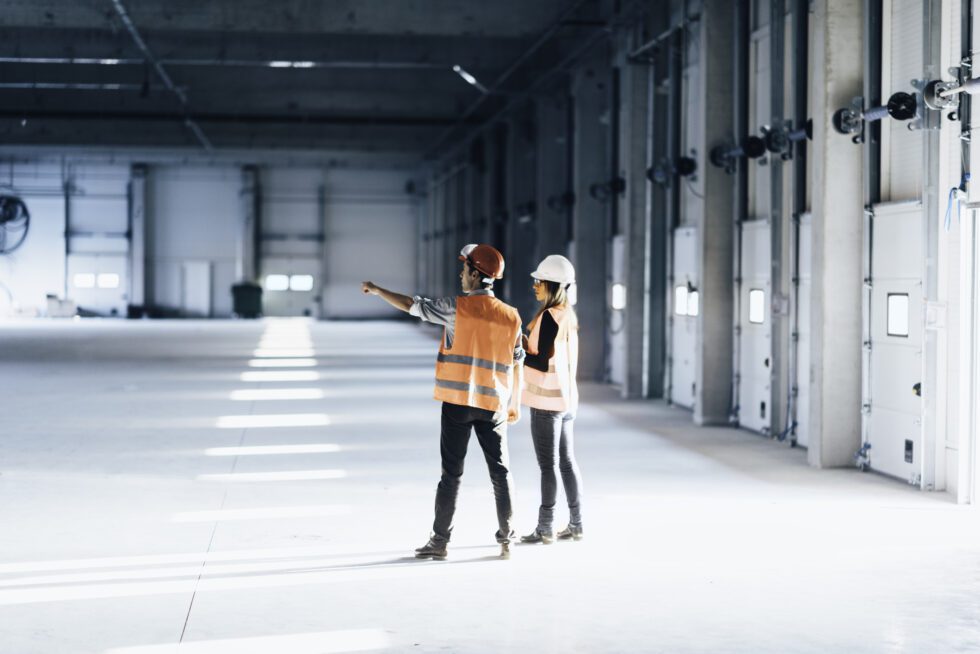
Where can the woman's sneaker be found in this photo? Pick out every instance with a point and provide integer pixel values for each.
(536, 537)
(571, 532)
(434, 549)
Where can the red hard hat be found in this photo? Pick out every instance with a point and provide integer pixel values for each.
(485, 259)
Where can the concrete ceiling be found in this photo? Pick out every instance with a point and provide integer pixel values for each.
(361, 74)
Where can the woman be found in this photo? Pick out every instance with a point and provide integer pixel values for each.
(552, 395)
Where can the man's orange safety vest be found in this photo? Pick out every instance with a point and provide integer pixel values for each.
(476, 370)
(555, 390)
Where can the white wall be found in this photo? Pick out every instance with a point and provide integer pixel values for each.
(194, 214)
(371, 231)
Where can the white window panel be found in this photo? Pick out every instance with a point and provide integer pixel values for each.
(301, 282)
(277, 282)
(693, 303)
(108, 280)
(757, 306)
(680, 300)
(898, 314)
(84, 280)
(618, 297)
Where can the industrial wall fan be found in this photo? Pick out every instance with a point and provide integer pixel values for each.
(15, 220)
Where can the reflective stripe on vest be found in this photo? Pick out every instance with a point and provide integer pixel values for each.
(556, 389)
(476, 371)
(469, 388)
(471, 361)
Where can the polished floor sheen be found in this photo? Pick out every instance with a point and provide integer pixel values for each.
(258, 487)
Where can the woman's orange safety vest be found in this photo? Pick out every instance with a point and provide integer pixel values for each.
(476, 370)
(555, 390)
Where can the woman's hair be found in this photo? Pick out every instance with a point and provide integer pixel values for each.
(556, 295)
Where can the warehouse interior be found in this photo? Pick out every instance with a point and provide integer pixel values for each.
(211, 440)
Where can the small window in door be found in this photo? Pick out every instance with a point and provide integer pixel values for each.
(277, 282)
(757, 306)
(680, 300)
(693, 303)
(108, 280)
(301, 282)
(898, 314)
(83, 280)
(618, 299)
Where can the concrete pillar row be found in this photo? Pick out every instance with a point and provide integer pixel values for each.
(249, 238)
(713, 367)
(551, 164)
(140, 293)
(837, 202)
(590, 237)
(636, 222)
(520, 249)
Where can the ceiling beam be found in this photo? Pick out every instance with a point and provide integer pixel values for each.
(369, 17)
(161, 73)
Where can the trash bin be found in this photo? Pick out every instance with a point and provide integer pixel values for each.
(246, 300)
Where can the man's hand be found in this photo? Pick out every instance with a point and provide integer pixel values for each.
(397, 300)
(513, 414)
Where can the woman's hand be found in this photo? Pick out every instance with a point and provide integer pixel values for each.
(368, 288)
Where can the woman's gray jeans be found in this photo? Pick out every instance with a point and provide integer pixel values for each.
(552, 432)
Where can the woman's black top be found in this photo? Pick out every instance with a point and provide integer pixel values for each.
(546, 344)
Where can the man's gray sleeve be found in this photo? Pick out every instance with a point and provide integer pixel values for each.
(441, 311)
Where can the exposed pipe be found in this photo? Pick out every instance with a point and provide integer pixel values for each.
(240, 63)
(800, 30)
(69, 86)
(242, 119)
(672, 194)
(778, 310)
(162, 74)
(872, 33)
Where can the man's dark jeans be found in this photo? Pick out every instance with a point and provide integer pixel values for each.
(491, 432)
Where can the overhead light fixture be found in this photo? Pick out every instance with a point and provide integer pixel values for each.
(109, 62)
(469, 79)
(292, 64)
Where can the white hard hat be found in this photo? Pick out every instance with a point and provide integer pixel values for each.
(555, 268)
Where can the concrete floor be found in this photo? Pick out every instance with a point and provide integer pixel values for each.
(137, 513)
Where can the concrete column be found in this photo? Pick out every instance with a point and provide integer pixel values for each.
(635, 219)
(248, 263)
(521, 249)
(714, 356)
(139, 277)
(552, 182)
(837, 196)
(590, 89)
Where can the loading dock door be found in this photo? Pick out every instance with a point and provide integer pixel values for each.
(755, 324)
(290, 286)
(893, 406)
(685, 306)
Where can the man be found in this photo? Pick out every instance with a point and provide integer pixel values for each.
(478, 380)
